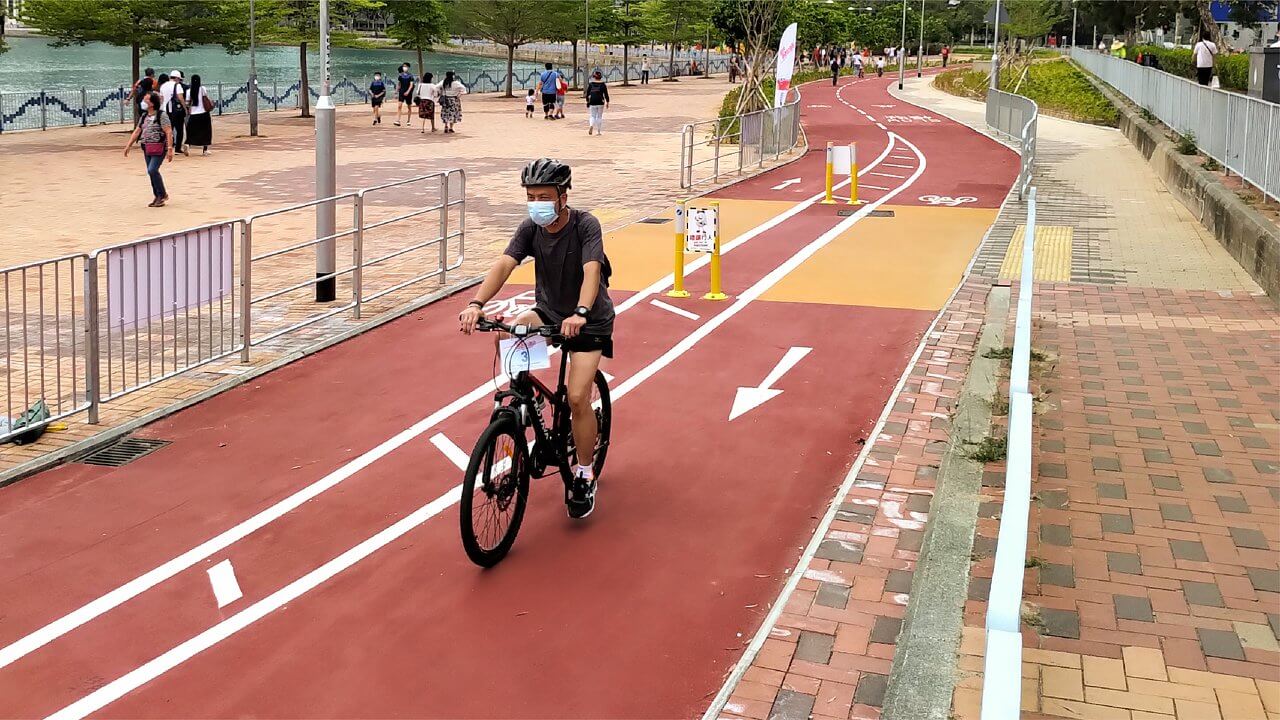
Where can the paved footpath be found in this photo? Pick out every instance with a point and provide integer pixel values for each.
(328, 487)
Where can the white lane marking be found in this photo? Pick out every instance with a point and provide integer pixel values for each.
(179, 654)
(672, 308)
(871, 187)
(785, 183)
(226, 589)
(905, 167)
(131, 589)
(871, 118)
(899, 177)
(750, 398)
(901, 157)
(451, 451)
(882, 127)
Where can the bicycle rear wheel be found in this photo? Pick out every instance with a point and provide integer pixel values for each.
(495, 490)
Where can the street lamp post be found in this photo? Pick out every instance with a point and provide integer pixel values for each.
(326, 171)
(253, 75)
(995, 52)
(1075, 16)
(920, 52)
(586, 44)
(902, 46)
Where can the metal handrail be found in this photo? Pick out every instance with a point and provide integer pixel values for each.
(731, 131)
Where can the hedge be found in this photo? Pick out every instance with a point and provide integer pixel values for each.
(1232, 70)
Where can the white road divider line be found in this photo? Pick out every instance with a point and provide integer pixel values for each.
(39, 638)
(451, 451)
(174, 657)
(905, 167)
(871, 187)
(672, 308)
(226, 589)
(898, 177)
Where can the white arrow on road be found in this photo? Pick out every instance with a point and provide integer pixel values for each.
(784, 184)
(749, 398)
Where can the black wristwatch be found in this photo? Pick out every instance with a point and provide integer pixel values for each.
(476, 303)
(581, 311)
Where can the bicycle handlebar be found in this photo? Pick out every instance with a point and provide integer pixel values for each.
(547, 331)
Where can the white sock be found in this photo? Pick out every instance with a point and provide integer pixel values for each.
(584, 471)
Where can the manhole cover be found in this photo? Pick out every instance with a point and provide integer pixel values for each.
(124, 452)
(656, 221)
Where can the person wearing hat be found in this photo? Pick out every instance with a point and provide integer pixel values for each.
(173, 102)
(571, 286)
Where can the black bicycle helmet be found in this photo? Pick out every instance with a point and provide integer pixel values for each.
(545, 171)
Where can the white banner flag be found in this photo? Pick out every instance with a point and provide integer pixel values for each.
(786, 64)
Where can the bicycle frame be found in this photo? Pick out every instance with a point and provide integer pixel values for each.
(525, 389)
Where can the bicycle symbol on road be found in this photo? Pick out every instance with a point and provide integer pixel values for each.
(512, 306)
(947, 200)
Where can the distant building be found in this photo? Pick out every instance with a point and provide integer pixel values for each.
(1242, 37)
(11, 10)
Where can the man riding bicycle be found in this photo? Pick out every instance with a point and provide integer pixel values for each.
(571, 276)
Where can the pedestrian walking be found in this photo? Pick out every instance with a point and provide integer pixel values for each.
(377, 94)
(946, 53)
(154, 132)
(835, 70)
(528, 103)
(547, 84)
(451, 92)
(857, 65)
(200, 122)
(644, 70)
(597, 95)
(427, 96)
(562, 88)
(404, 96)
(880, 66)
(174, 102)
(138, 93)
(733, 68)
(1206, 54)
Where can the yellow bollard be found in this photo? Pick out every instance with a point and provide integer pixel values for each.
(853, 174)
(677, 288)
(717, 292)
(828, 200)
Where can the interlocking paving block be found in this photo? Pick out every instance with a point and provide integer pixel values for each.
(1122, 562)
(1188, 550)
(1264, 579)
(833, 595)
(1176, 513)
(791, 705)
(1273, 619)
(1056, 574)
(910, 540)
(1055, 499)
(1249, 538)
(840, 551)
(1202, 593)
(886, 629)
(1207, 448)
(870, 690)
(1055, 534)
(989, 509)
(1166, 482)
(979, 588)
(1267, 467)
(1117, 523)
(899, 581)
(815, 647)
(1061, 623)
(1255, 442)
(1129, 607)
(1160, 456)
(1150, 433)
(1219, 475)
(1052, 470)
(1113, 491)
(1052, 260)
(1228, 504)
(1195, 428)
(1220, 643)
(919, 502)
(1106, 463)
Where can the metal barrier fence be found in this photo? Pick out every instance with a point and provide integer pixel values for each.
(1240, 132)
(750, 139)
(85, 329)
(1001, 698)
(64, 108)
(1017, 118)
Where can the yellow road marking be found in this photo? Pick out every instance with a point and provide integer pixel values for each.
(1052, 249)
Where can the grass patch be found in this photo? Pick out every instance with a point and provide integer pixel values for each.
(1059, 88)
(991, 449)
(1033, 562)
(1187, 144)
(1006, 353)
(1212, 165)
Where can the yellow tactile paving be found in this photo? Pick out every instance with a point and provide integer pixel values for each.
(641, 253)
(912, 260)
(1052, 254)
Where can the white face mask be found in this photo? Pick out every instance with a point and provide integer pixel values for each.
(543, 212)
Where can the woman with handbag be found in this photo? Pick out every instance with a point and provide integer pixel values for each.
(155, 133)
(200, 122)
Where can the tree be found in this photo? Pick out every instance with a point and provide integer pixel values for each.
(821, 23)
(419, 24)
(760, 24)
(678, 22)
(299, 22)
(1033, 18)
(628, 29)
(510, 23)
(143, 26)
(565, 22)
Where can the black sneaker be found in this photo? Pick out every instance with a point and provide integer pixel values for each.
(581, 498)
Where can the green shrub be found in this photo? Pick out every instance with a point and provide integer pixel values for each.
(1232, 70)
(1211, 165)
(1057, 87)
(1187, 144)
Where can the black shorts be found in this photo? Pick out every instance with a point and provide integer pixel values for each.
(407, 97)
(585, 342)
(376, 101)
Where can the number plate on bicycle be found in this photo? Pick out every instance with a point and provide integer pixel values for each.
(524, 354)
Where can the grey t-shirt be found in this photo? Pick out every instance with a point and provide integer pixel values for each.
(558, 259)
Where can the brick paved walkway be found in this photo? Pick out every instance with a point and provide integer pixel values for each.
(1153, 588)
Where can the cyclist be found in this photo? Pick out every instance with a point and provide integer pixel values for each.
(571, 278)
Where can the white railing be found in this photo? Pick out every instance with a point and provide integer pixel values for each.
(712, 149)
(1016, 118)
(1240, 132)
(85, 329)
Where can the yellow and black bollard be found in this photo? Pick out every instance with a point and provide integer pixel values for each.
(677, 287)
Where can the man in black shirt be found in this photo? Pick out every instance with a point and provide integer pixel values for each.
(404, 95)
(571, 277)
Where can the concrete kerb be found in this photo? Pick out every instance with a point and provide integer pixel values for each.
(110, 435)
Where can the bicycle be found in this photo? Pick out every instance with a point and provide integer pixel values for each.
(505, 457)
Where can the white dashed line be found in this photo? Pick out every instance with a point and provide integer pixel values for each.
(672, 308)
(451, 451)
(226, 589)
(897, 177)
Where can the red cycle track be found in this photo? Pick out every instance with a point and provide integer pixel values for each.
(637, 612)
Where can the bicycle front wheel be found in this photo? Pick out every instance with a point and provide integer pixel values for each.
(495, 490)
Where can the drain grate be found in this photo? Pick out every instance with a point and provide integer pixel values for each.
(123, 452)
(656, 221)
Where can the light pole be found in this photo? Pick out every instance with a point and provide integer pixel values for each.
(1075, 16)
(326, 171)
(586, 44)
(920, 52)
(902, 46)
(253, 75)
(995, 52)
